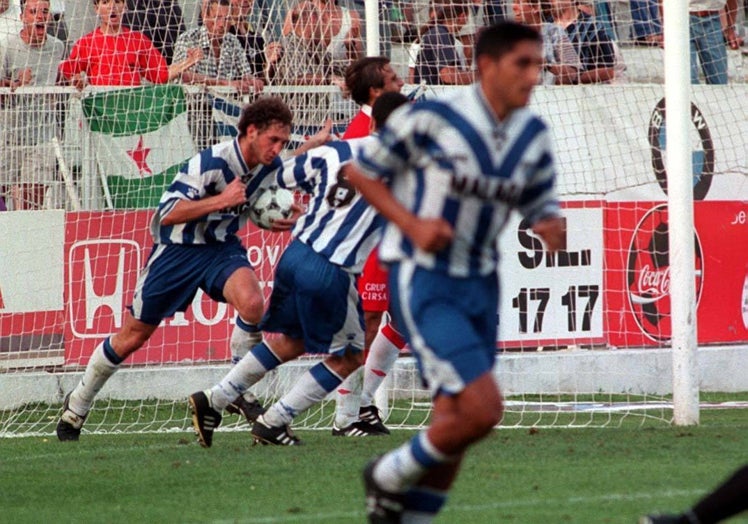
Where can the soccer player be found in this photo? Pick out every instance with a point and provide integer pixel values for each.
(446, 174)
(195, 246)
(314, 306)
(355, 414)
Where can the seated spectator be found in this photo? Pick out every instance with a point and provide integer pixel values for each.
(29, 58)
(302, 58)
(223, 62)
(596, 51)
(252, 43)
(441, 58)
(9, 23)
(561, 64)
(339, 28)
(160, 20)
(113, 55)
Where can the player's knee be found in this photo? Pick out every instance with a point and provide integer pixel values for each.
(251, 309)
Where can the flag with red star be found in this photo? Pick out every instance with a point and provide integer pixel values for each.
(140, 140)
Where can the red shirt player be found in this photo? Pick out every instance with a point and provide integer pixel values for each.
(356, 414)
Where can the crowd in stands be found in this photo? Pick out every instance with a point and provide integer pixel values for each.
(249, 44)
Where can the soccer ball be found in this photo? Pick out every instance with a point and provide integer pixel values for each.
(270, 205)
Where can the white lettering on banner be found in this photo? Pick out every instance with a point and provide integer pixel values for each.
(654, 282)
(255, 254)
(197, 310)
(113, 301)
(90, 269)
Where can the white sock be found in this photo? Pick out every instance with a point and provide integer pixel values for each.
(244, 337)
(102, 365)
(383, 353)
(312, 387)
(402, 467)
(348, 400)
(247, 372)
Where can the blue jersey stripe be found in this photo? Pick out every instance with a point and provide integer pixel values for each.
(519, 146)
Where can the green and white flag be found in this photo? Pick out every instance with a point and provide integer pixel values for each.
(141, 138)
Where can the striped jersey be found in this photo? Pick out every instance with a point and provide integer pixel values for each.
(452, 158)
(338, 223)
(207, 174)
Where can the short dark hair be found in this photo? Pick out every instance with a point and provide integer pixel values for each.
(385, 104)
(498, 39)
(364, 74)
(264, 112)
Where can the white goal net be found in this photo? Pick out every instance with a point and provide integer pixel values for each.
(584, 335)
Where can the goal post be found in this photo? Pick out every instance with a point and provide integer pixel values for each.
(680, 207)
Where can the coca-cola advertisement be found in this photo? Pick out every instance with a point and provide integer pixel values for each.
(637, 276)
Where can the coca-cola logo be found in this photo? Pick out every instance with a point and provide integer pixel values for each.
(654, 283)
(702, 154)
(648, 274)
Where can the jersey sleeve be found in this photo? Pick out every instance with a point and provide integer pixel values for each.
(539, 199)
(303, 171)
(188, 184)
(395, 146)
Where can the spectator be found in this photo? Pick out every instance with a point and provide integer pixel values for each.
(561, 63)
(29, 57)
(223, 60)
(441, 59)
(596, 51)
(303, 57)
(114, 55)
(9, 23)
(342, 29)
(707, 40)
(160, 20)
(339, 29)
(647, 23)
(252, 43)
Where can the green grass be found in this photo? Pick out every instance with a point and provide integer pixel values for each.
(608, 475)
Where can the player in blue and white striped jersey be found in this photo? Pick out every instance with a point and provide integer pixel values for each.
(447, 174)
(195, 246)
(315, 304)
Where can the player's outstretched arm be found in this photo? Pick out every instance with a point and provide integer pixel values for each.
(428, 234)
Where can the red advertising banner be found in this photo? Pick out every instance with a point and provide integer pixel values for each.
(637, 272)
(104, 253)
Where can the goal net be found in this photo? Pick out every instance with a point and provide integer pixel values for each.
(584, 335)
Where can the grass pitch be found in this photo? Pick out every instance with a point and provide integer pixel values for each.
(610, 475)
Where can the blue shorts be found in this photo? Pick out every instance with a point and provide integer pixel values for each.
(450, 324)
(316, 301)
(174, 273)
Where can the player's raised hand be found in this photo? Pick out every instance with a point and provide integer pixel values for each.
(431, 234)
(234, 194)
